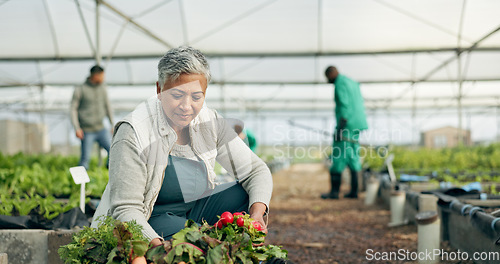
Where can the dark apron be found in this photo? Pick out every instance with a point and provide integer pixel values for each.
(185, 194)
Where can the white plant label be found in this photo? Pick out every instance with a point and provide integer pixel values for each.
(79, 174)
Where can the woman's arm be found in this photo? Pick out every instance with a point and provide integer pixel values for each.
(127, 180)
(253, 174)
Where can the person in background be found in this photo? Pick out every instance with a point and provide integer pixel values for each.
(247, 136)
(89, 106)
(351, 120)
(252, 142)
(163, 155)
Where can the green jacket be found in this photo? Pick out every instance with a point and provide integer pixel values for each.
(252, 142)
(89, 106)
(349, 104)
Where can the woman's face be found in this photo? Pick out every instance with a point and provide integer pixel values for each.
(183, 99)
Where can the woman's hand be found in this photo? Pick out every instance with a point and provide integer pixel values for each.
(139, 260)
(257, 211)
(156, 242)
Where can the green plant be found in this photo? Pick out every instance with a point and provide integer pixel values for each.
(6, 206)
(24, 206)
(46, 175)
(208, 244)
(493, 189)
(459, 164)
(47, 207)
(112, 242)
(32, 183)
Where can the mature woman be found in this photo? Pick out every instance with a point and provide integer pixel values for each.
(163, 155)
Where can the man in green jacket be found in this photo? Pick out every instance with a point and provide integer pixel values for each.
(246, 135)
(351, 120)
(89, 106)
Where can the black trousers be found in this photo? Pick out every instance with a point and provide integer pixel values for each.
(232, 199)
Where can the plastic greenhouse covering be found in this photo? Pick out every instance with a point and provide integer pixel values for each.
(422, 63)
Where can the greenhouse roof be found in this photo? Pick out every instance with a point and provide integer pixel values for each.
(262, 41)
(427, 59)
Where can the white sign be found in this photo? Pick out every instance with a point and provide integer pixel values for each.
(79, 174)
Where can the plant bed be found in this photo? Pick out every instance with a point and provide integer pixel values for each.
(422, 186)
(412, 206)
(33, 246)
(233, 239)
(468, 228)
(37, 190)
(42, 213)
(47, 175)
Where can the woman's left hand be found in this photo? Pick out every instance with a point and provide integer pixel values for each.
(257, 211)
(260, 219)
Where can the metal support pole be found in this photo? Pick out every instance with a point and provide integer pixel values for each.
(98, 57)
(68, 138)
(263, 131)
(42, 105)
(498, 122)
(97, 33)
(223, 99)
(320, 26)
(222, 87)
(459, 100)
(27, 131)
(466, 135)
(389, 123)
(87, 32)
(243, 104)
(183, 23)
(414, 102)
(42, 96)
(325, 128)
(460, 75)
(414, 117)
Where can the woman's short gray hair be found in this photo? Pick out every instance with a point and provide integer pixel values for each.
(181, 60)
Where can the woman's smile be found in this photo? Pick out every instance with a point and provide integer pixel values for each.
(184, 116)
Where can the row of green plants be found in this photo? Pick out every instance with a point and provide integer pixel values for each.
(235, 238)
(463, 164)
(47, 207)
(42, 185)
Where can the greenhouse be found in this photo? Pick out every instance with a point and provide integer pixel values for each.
(427, 73)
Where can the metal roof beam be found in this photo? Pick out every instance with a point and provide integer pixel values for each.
(423, 110)
(419, 19)
(215, 82)
(85, 27)
(232, 21)
(260, 54)
(182, 12)
(52, 27)
(133, 22)
(458, 53)
(306, 101)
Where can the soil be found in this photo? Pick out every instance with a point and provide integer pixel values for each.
(314, 230)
